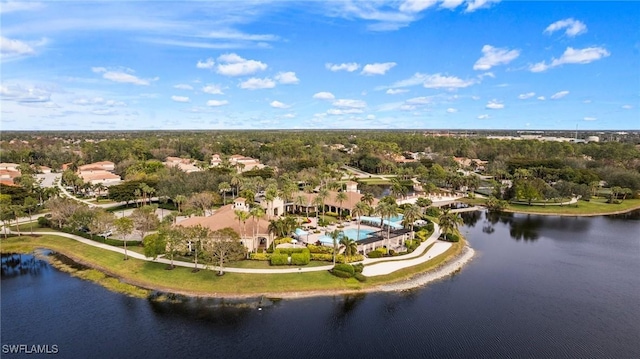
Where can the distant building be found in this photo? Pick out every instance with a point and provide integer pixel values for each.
(99, 176)
(9, 166)
(98, 166)
(183, 164)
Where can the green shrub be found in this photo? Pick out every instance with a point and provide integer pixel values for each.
(331, 214)
(300, 259)
(322, 257)
(282, 240)
(354, 258)
(260, 256)
(451, 237)
(360, 277)
(358, 267)
(278, 259)
(392, 252)
(319, 249)
(374, 254)
(341, 274)
(44, 222)
(344, 268)
(290, 251)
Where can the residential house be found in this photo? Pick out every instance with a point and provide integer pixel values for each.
(183, 164)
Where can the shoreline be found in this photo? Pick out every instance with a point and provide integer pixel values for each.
(622, 211)
(420, 279)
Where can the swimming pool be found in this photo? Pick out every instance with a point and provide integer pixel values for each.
(396, 219)
(349, 232)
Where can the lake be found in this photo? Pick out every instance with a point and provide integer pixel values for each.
(538, 287)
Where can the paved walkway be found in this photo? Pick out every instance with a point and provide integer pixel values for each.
(390, 265)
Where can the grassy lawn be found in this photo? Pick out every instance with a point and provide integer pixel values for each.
(26, 227)
(155, 275)
(597, 206)
(374, 181)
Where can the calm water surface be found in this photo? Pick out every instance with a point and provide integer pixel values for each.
(539, 287)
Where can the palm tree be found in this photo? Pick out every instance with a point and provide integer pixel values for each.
(368, 198)
(235, 182)
(350, 247)
(124, 226)
(411, 214)
(270, 195)
(323, 194)
(340, 198)
(387, 208)
(449, 222)
(358, 210)
(336, 235)
(179, 200)
(257, 213)
(242, 217)
(299, 202)
(224, 187)
(318, 202)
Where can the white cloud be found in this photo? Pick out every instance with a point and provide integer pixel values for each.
(289, 115)
(212, 89)
(573, 56)
(338, 111)
(473, 5)
(416, 5)
(590, 118)
(287, 78)
(527, 95)
(559, 95)
(217, 103)
(122, 76)
(451, 4)
(587, 101)
(494, 105)
(475, 98)
(371, 117)
(483, 117)
(627, 107)
(572, 27)
(541, 98)
(14, 48)
(234, 65)
(449, 82)
(377, 68)
(349, 67)
(98, 101)
(183, 87)
(207, 64)
(396, 91)
(180, 98)
(452, 110)
(422, 100)
(278, 104)
(493, 56)
(255, 83)
(24, 94)
(324, 96)
(348, 103)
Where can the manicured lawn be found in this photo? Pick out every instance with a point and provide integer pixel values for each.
(266, 265)
(597, 206)
(26, 227)
(374, 181)
(155, 275)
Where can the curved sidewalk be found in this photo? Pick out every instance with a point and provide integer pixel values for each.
(389, 265)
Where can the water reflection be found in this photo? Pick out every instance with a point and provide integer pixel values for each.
(226, 312)
(14, 265)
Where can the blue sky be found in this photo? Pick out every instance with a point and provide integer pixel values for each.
(457, 64)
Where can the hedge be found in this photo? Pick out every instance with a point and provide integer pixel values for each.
(300, 259)
(289, 251)
(360, 277)
(260, 256)
(358, 267)
(278, 259)
(319, 249)
(451, 237)
(282, 240)
(344, 268)
(341, 274)
(374, 254)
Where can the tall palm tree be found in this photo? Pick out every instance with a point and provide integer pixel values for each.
(449, 222)
(236, 180)
(318, 202)
(340, 198)
(224, 187)
(411, 214)
(368, 198)
(336, 235)
(299, 202)
(358, 210)
(323, 194)
(257, 213)
(270, 195)
(179, 200)
(350, 247)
